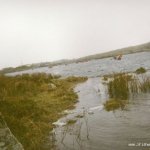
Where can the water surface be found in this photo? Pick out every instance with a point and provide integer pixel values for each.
(99, 67)
(102, 130)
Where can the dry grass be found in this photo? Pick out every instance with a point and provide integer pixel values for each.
(30, 105)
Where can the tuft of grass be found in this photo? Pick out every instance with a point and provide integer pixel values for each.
(140, 70)
(30, 106)
(75, 79)
(144, 85)
(118, 88)
(114, 104)
(122, 86)
(71, 121)
(140, 85)
(105, 78)
(79, 116)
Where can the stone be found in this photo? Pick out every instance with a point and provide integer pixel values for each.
(52, 86)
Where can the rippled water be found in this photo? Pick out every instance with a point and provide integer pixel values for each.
(98, 67)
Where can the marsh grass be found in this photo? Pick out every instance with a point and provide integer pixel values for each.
(71, 121)
(144, 85)
(118, 88)
(80, 116)
(114, 104)
(122, 87)
(30, 106)
(140, 70)
(105, 78)
(140, 84)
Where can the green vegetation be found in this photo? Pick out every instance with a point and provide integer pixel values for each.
(114, 104)
(122, 86)
(140, 85)
(118, 88)
(105, 78)
(144, 85)
(23, 67)
(80, 116)
(14, 69)
(140, 70)
(31, 103)
(71, 121)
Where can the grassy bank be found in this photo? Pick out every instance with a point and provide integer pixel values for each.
(31, 103)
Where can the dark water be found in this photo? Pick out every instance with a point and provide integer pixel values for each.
(102, 130)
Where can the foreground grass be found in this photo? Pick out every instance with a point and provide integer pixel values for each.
(31, 103)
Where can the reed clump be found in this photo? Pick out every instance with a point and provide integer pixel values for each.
(140, 70)
(118, 88)
(144, 84)
(114, 104)
(122, 86)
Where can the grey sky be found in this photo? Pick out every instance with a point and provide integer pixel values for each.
(46, 30)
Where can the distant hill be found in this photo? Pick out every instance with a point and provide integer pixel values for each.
(123, 51)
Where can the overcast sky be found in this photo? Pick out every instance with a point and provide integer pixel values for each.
(46, 30)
